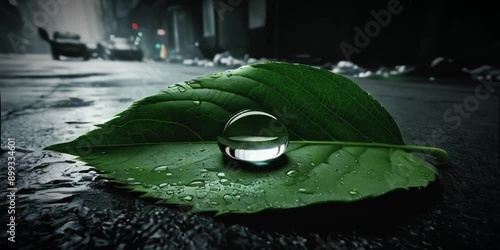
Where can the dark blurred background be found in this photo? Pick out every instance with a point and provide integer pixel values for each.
(313, 32)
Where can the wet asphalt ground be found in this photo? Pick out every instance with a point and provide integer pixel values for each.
(61, 203)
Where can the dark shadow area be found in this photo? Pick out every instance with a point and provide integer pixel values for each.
(376, 215)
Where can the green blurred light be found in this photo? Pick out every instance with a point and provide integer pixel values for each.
(158, 46)
(139, 34)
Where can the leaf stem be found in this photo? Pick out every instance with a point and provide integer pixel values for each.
(439, 153)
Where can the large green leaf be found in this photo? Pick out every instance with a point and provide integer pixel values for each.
(164, 144)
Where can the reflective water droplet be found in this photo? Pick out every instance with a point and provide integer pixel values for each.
(353, 192)
(197, 183)
(221, 175)
(312, 164)
(194, 83)
(168, 174)
(305, 191)
(130, 179)
(252, 207)
(356, 160)
(188, 198)
(160, 168)
(202, 150)
(254, 136)
(299, 165)
(228, 198)
(293, 173)
(163, 185)
(224, 181)
(197, 100)
(180, 88)
(201, 194)
(213, 203)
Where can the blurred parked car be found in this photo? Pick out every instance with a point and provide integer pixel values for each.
(119, 48)
(65, 44)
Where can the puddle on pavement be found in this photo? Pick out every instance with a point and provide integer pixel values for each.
(72, 102)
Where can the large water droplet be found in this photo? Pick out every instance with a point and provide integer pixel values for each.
(253, 136)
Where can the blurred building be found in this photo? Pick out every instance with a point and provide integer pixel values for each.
(369, 33)
(313, 32)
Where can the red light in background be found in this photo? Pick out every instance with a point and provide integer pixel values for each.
(135, 26)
